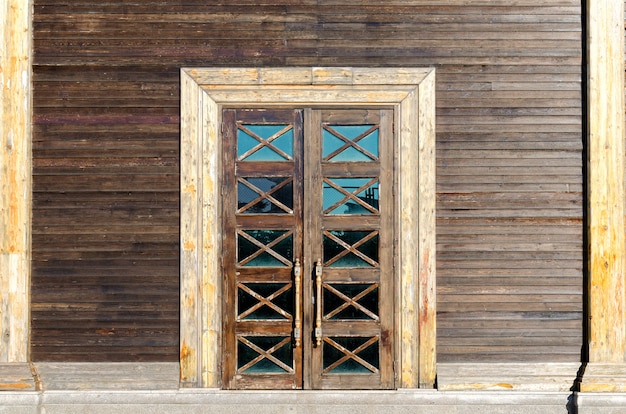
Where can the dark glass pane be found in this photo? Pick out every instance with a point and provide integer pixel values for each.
(245, 354)
(246, 249)
(331, 196)
(350, 366)
(369, 301)
(246, 301)
(246, 194)
(331, 143)
(333, 249)
(247, 142)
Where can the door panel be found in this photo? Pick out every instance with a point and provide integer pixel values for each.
(262, 210)
(308, 249)
(351, 229)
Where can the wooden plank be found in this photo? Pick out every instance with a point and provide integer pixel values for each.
(605, 52)
(15, 185)
(514, 107)
(540, 377)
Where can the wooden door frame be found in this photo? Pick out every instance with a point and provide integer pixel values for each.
(204, 91)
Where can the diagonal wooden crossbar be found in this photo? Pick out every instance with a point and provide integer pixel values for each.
(265, 354)
(350, 142)
(264, 248)
(265, 195)
(351, 195)
(264, 300)
(263, 142)
(351, 355)
(348, 301)
(351, 248)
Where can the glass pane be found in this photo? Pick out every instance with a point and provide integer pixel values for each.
(256, 252)
(337, 361)
(336, 255)
(337, 307)
(253, 188)
(336, 202)
(250, 145)
(250, 307)
(250, 361)
(335, 139)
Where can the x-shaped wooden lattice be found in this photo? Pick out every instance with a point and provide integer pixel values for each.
(348, 301)
(351, 355)
(351, 195)
(264, 248)
(262, 300)
(351, 248)
(350, 142)
(265, 354)
(265, 195)
(264, 142)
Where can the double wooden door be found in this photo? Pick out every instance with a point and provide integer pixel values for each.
(308, 249)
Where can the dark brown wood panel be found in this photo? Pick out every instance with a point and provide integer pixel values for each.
(106, 159)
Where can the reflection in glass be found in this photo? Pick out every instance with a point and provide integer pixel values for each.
(249, 306)
(251, 361)
(337, 361)
(337, 202)
(345, 143)
(265, 248)
(278, 193)
(350, 248)
(337, 305)
(263, 142)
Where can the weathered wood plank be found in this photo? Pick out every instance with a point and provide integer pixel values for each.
(607, 243)
(15, 182)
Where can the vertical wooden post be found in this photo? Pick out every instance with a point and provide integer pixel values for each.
(606, 370)
(15, 178)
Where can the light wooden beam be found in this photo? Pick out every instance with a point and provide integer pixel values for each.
(605, 180)
(15, 178)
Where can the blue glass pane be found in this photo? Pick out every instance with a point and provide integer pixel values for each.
(250, 148)
(366, 148)
(332, 196)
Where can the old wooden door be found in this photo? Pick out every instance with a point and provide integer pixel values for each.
(308, 250)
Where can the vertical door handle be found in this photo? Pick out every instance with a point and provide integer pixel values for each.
(318, 302)
(297, 331)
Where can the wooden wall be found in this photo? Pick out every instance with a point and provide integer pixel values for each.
(106, 159)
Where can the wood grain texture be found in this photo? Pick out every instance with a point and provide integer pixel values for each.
(509, 147)
(607, 307)
(15, 179)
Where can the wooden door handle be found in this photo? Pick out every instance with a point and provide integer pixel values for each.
(318, 302)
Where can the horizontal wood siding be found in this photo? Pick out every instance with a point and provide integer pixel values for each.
(106, 160)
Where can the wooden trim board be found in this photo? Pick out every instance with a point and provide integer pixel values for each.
(203, 92)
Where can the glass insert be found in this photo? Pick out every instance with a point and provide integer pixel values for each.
(350, 248)
(263, 301)
(265, 195)
(345, 143)
(351, 301)
(263, 142)
(264, 355)
(350, 195)
(264, 248)
(350, 355)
